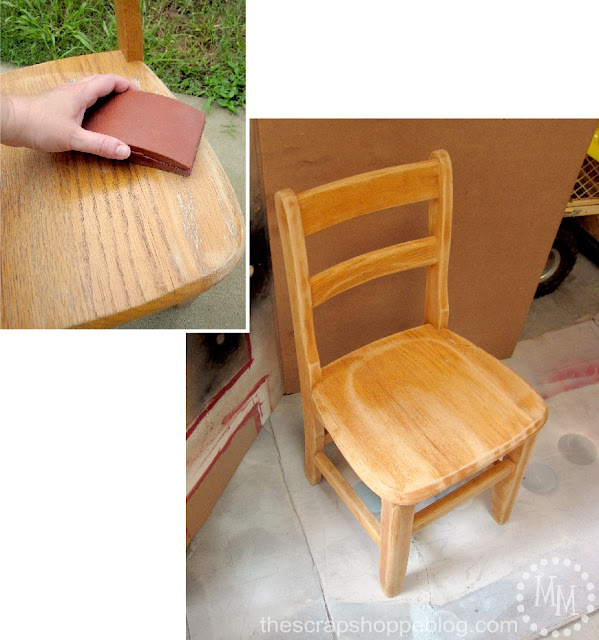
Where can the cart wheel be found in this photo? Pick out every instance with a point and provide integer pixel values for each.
(560, 261)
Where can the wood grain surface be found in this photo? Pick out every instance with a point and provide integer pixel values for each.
(129, 29)
(335, 202)
(375, 264)
(419, 411)
(90, 242)
(396, 533)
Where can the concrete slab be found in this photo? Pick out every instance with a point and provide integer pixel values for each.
(575, 298)
(7, 66)
(250, 564)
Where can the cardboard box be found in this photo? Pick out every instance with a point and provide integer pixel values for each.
(205, 493)
(233, 384)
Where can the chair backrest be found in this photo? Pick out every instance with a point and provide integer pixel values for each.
(303, 214)
(129, 29)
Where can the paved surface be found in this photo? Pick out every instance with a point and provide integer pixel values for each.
(577, 297)
(223, 306)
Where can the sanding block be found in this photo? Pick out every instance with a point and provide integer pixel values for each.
(162, 132)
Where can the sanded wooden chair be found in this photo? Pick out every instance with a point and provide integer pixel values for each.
(89, 242)
(415, 412)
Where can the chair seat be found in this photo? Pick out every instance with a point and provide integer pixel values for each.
(89, 242)
(420, 410)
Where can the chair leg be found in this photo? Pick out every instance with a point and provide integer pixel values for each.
(505, 491)
(396, 533)
(314, 444)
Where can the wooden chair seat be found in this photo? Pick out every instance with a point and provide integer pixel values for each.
(90, 242)
(416, 412)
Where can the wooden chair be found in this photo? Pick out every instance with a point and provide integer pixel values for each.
(89, 242)
(415, 412)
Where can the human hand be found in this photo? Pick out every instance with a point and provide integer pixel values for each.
(51, 121)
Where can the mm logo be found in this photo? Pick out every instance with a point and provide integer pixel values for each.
(552, 593)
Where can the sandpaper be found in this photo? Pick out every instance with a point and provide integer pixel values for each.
(161, 132)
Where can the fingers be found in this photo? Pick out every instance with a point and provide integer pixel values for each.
(98, 86)
(119, 82)
(100, 145)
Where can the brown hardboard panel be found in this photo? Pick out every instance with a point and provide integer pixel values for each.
(512, 180)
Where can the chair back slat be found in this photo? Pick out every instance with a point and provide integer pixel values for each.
(349, 198)
(382, 262)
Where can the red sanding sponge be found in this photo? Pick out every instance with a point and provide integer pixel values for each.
(161, 132)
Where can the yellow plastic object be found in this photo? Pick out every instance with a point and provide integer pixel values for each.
(593, 149)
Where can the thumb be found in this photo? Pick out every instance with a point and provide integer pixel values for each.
(100, 145)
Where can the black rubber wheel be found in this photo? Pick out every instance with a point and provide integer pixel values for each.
(560, 261)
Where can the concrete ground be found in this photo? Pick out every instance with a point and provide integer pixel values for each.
(223, 306)
(577, 297)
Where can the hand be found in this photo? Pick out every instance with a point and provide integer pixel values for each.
(51, 121)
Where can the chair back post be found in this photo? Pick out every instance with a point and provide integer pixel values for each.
(436, 310)
(129, 29)
(298, 282)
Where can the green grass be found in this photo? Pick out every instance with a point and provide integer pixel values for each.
(196, 47)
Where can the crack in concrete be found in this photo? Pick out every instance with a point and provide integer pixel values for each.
(428, 582)
(314, 566)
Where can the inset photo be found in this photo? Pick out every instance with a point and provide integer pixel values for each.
(123, 165)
